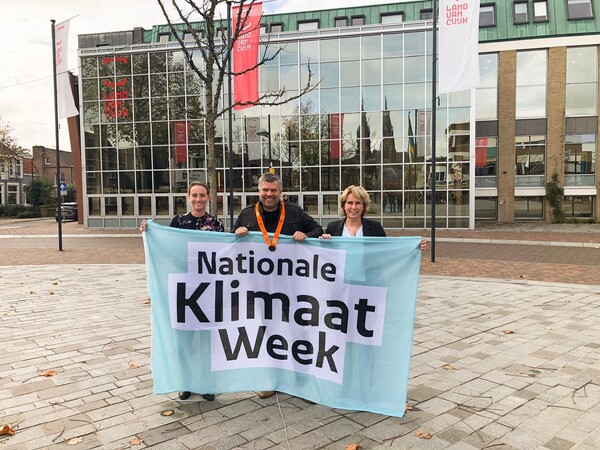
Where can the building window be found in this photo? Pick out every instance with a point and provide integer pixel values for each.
(392, 18)
(486, 156)
(189, 36)
(520, 9)
(426, 14)
(530, 161)
(578, 206)
(487, 15)
(580, 160)
(358, 20)
(582, 81)
(164, 37)
(579, 9)
(12, 194)
(529, 207)
(308, 25)
(487, 91)
(276, 27)
(486, 208)
(340, 22)
(531, 84)
(540, 11)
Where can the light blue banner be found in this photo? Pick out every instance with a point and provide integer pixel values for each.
(327, 320)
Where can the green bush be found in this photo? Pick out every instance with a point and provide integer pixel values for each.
(554, 195)
(14, 210)
(29, 214)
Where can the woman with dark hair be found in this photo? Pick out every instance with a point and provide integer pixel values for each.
(196, 219)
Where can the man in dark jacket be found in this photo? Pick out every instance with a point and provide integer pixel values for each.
(272, 215)
(296, 222)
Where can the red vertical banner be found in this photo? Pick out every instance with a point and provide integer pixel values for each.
(335, 126)
(245, 54)
(481, 152)
(182, 131)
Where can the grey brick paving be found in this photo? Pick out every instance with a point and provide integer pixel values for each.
(506, 365)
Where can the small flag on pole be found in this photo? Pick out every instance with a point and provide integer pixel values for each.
(66, 103)
(412, 143)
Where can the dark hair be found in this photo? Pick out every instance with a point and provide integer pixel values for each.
(198, 183)
(270, 178)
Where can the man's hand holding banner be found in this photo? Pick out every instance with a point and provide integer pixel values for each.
(327, 320)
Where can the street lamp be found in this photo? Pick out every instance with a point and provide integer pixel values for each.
(267, 134)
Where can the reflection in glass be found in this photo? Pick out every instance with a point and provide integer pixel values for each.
(329, 50)
(127, 206)
(94, 206)
(145, 206)
(349, 48)
(529, 207)
(110, 183)
(162, 206)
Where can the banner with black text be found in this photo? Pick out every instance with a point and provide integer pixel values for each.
(327, 320)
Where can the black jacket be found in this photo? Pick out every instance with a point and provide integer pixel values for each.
(370, 228)
(296, 219)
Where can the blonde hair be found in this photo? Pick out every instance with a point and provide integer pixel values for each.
(361, 195)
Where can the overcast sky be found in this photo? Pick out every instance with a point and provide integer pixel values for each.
(26, 89)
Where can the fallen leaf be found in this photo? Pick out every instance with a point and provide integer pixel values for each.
(448, 367)
(133, 366)
(7, 431)
(55, 283)
(49, 373)
(136, 441)
(509, 332)
(75, 441)
(408, 408)
(353, 447)
(147, 301)
(167, 412)
(50, 293)
(522, 276)
(31, 292)
(422, 434)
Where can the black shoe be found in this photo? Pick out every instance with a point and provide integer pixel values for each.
(184, 395)
(208, 397)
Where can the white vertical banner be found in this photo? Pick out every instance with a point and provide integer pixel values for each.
(458, 45)
(66, 103)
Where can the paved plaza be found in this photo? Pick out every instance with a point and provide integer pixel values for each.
(498, 363)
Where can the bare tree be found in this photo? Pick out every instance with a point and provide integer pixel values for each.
(9, 149)
(215, 50)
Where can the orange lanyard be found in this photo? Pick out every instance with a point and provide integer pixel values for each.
(263, 230)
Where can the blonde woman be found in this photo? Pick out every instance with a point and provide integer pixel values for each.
(354, 204)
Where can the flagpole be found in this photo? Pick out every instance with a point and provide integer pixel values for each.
(58, 206)
(230, 114)
(433, 126)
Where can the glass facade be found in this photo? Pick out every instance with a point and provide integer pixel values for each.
(367, 119)
(367, 122)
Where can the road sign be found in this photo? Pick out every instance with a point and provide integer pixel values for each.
(63, 188)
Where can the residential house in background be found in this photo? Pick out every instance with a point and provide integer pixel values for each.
(11, 182)
(43, 163)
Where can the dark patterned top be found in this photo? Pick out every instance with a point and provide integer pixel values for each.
(204, 223)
